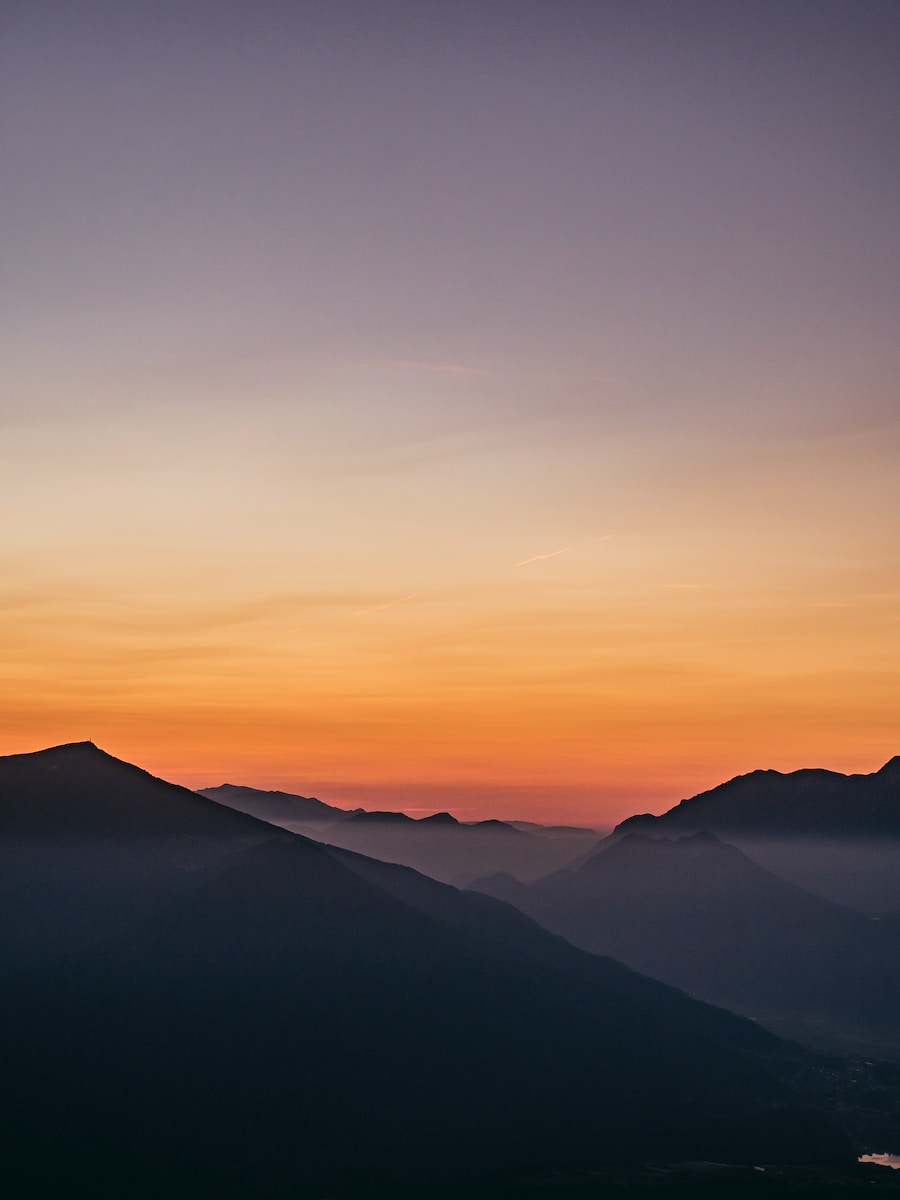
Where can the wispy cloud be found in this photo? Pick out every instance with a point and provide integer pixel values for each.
(539, 557)
(390, 604)
(556, 553)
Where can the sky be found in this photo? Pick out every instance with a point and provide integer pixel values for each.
(489, 407)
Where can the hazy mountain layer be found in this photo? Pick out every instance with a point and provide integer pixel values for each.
(701, 915)
(835, 835)
(279, 808)
(292, 1010)
(439, 845)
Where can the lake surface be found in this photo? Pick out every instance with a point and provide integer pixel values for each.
(883, 1160)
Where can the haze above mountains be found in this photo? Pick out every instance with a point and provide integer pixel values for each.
(700, 914)
(438, 845)
(206, 1004)
(793, 921)
(730, 921)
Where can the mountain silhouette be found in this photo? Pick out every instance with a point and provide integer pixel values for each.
(835, 835)
(88, 844)
(79, 789)
(439, 845)
(703, 916)
(279, 808)
(454, 852)
(812, 803)
(292, 1010)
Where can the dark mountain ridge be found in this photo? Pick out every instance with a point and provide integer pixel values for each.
(78, 789)
(279, 808)
(438, 845)
(89, 844)
(810, 802)
(293, 1009)
(835, 835)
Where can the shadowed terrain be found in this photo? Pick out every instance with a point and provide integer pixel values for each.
(701, 915)
(835, 835)
(291, 1009)
(297, 813)
(441, 846)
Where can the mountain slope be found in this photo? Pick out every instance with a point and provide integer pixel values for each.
(79, 790)
(89, 844)
(702, 916)
(438, 845)
(453, 852)
(835, 835)
(295, 1010)
(810, 802)
(279, 808)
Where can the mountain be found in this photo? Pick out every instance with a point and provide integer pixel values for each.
(88, 844)
(297, 813)
(292, 1013)
(439, 845)
(78, 790)
(701, 915)
(453, 852)
(557, 830)
(808, 803)
(835, 835)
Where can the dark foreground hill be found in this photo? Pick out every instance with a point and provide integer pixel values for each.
(292, 1012)
(440, 846)
(79, 791)
(836, 835)
(701, 915)
(89, 844)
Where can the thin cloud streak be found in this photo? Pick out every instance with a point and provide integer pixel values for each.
(538, 557)
(556, 553)
(390, 604)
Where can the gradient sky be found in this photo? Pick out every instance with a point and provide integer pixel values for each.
(486, 406)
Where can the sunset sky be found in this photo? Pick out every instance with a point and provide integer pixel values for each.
(484, 406)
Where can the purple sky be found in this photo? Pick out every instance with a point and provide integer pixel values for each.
(360, 298)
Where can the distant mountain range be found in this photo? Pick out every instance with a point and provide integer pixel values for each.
(438, 845)
(700, 914)
(278, 808)
(836, 835)
(270, 1012)
(809, 803)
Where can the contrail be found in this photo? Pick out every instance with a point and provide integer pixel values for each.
(538, 557)
(390, 604)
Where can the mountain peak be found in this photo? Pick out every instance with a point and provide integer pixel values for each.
(379, 817)
(440, 818)
(812, 802)
(67, 749)
(637, 822)
(77, 789)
